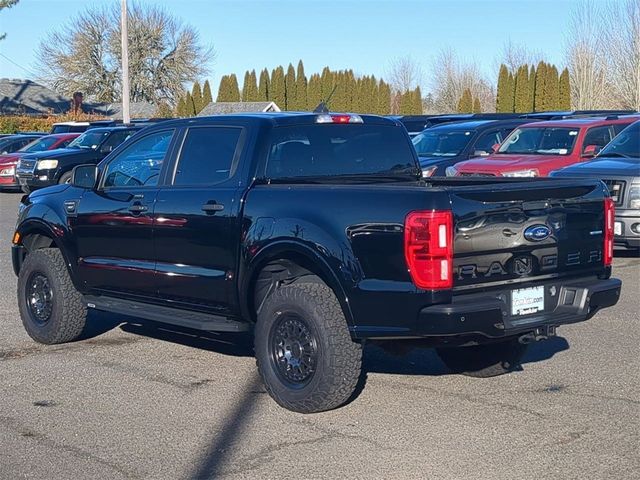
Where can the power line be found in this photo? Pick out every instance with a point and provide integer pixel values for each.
(30, 72)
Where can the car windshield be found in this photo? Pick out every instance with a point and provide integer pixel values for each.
(626, 144)
(540, 141)
(434, 143)
(39, 145)
(90, 139)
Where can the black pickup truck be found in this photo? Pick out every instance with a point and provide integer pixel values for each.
(316, 232)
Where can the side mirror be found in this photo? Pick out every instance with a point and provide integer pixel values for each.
(106, 149)
(84, 176)
(591, 150)
(495, 147)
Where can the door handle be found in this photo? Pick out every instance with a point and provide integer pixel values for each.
(212, 207)
(138, 208)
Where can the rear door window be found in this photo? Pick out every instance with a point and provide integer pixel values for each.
(207, 155)
(598, 136)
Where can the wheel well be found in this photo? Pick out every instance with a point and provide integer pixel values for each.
(283, 271)
(35, 241)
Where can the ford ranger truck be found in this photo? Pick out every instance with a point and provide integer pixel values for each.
(316, 233)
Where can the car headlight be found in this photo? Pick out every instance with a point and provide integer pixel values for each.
(451, 172)
(429, 171)
(634, 196)
(521, 173)
(8, 171)
(47, 164)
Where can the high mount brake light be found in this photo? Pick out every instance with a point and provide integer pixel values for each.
(609, 219)
(329, 118)
(428, 248)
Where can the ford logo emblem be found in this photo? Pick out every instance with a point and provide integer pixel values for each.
(537, 233)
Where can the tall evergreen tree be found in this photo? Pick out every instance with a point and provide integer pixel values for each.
(465, 104)
(246, 87)
(532, 90)
(521, 97)
(223, 90)
(190, 106)
(206, 93)
(277, 89)
(326, 83)
(196, 94)
(540, 98)
(301, 88)
(263, 87)
(504, 96)
(553, 88)
(234, 90)
(290, 98)
(181, 107)
(314, 91)
(564, 102)
(384, 98)
(476, 105)
(417, 101)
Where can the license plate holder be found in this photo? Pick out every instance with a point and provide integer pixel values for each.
(526, 301)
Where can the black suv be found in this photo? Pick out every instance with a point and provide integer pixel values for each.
(443, 146)
(51, 167)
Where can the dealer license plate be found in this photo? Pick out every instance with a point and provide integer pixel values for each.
(617, 228)
(527, 300)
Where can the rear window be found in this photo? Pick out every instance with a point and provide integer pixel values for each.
(335, 150)
(540, 141)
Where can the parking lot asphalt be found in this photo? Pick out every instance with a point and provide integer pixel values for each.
(134, 400)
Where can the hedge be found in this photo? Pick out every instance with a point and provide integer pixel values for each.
(25, 123)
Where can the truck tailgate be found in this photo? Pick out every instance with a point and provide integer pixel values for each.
(516, 232)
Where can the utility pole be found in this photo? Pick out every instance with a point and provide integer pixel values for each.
(125, 63)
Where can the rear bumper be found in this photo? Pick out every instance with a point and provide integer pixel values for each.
(489, 315)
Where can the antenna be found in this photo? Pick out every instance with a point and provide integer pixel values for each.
(323, 106)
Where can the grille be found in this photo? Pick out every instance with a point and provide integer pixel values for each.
(616, 190)
(26, 166)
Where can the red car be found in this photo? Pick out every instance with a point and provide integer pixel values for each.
(9, 161)
(537, 149)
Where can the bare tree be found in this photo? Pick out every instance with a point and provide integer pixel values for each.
(404, 74)
(6, 4)
(450, 78)
(620, 33)
(514, 55)
(85, 55)
(586, 58)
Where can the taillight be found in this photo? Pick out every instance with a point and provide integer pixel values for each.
(428, 248)
(609, 219)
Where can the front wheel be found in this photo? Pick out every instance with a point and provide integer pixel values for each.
(51, 309)
(305, 354)
(484, 361)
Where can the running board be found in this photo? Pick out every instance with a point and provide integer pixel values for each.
(173, 316)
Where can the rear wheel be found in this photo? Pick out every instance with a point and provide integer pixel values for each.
(304, 351)
(51, 309)
(484, 361)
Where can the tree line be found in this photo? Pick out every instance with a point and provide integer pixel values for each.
(531, 89)
(291, 89)
(193, 102)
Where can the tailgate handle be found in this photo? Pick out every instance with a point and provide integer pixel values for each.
(212, 207)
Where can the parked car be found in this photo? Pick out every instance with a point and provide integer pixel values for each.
(445, 145)
(564, 114)
(8, 162)
(618, 165)
(13, 143)
(415, 124)
(47, 168)
(69, 127)
(537, 149)
(317, 232)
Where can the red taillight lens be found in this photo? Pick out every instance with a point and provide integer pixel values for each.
(609, 219)
(428, 248)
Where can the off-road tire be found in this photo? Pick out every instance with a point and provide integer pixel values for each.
(339, 358)
(484, 361)
(68, 312)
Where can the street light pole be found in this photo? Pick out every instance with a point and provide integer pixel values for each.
(125, 63)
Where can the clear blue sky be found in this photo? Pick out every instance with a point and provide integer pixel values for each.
(363, 35)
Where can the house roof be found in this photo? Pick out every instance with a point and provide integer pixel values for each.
(217, 108)
(136, 110)
(25, 96)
